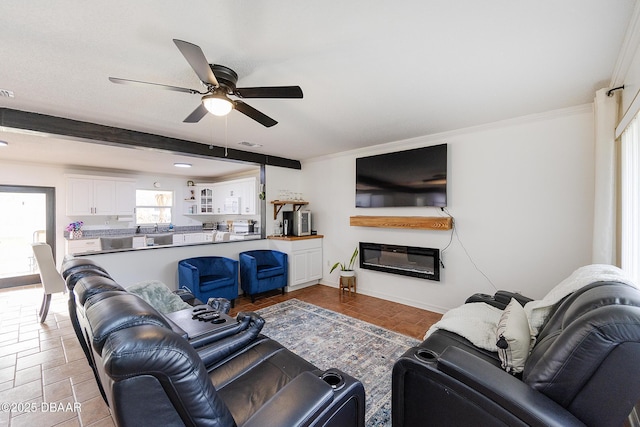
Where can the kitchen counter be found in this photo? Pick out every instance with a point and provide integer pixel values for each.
(89, 245)
(295, 238)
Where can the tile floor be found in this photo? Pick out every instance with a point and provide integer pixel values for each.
(45, 377)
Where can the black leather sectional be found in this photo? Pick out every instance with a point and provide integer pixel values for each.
(584, 369)
(149, 369)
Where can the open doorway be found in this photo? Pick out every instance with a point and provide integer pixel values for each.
(27, 216)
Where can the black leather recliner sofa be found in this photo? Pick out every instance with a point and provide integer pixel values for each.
(149, 371)
(584, 369)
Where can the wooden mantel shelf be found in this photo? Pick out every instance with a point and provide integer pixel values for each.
(408, 222)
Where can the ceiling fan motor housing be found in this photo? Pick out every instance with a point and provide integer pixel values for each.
(226, 77)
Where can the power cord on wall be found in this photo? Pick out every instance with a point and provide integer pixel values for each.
(454, 230)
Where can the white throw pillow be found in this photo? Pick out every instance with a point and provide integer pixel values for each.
(513, 337)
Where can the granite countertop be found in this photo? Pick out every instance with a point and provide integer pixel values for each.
(294, 238)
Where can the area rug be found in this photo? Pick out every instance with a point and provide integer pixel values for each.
(333, 340)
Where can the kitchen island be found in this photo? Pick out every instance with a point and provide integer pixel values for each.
(131, 266)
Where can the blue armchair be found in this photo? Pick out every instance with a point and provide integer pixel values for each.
(262, 271)
(209, 277)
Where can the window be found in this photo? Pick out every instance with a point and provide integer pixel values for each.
(630, 200)
(153, 206)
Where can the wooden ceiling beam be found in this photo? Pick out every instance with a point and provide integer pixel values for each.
(52, 126)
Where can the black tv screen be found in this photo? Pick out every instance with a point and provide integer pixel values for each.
(415, 177)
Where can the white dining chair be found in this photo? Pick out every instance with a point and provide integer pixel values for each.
(51, 279)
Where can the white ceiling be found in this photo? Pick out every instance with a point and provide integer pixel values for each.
(372, 71)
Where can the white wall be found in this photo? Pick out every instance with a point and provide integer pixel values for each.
(277, 179)
(521, 193)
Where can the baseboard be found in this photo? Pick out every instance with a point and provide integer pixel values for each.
(393, 298)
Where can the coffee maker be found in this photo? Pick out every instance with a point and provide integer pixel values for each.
(287, 223)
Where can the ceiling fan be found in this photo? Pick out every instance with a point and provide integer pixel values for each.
(220, 82)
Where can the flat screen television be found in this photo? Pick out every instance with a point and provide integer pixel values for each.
(415, 177)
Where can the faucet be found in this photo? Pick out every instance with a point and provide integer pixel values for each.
(155, 229)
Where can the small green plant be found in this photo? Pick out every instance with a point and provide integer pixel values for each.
(344, 266)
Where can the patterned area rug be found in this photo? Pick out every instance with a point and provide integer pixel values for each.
(332, 340)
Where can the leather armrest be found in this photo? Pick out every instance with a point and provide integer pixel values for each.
(228, 344)
(244, 320)
(177, 329)
(297, 403)
(510, 393)
(505, 297)
(500, 300)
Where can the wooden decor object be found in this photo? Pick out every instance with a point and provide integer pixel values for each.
(277, 205)
(407, 222)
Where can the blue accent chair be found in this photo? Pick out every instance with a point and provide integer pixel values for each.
(210, 277)
(263, 270)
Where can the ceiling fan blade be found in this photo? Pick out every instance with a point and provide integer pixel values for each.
(196, 115)
(269, 92)
(167, 87)
(256, 115)
(195, 57)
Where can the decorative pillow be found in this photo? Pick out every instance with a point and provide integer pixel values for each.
(159, 296)
(513, 337)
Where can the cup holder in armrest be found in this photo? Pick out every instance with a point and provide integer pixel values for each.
(425, 355)
(334, 379)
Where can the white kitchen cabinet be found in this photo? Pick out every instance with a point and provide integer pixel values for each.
(139, 242)
(247, 193)
(205, 200)
(305, 260)
(125, 198)
(82, 246)
(99, 196)
(235, 197)
(190, 238)
(224, 192)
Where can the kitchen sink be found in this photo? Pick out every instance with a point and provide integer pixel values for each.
(112, 243)
(159, 239)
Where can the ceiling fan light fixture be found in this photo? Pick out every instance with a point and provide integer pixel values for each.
(218, 105)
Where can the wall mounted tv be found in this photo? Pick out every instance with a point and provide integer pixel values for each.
(415, 177)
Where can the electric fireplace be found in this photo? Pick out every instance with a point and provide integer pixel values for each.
(411, 261)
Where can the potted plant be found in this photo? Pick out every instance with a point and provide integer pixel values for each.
(75, 229)
(346, 270)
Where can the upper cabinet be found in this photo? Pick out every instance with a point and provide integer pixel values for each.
(125, 198)
(236, 197)
(248, 195)
(100, 196)
(205, 200)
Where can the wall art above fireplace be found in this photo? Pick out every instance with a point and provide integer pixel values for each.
(411, 261)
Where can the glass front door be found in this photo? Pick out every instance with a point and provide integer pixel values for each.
(26, 217)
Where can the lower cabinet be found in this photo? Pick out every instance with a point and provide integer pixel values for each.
(305, 260)
(81, 246)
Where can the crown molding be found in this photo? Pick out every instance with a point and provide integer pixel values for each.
(628, 50)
